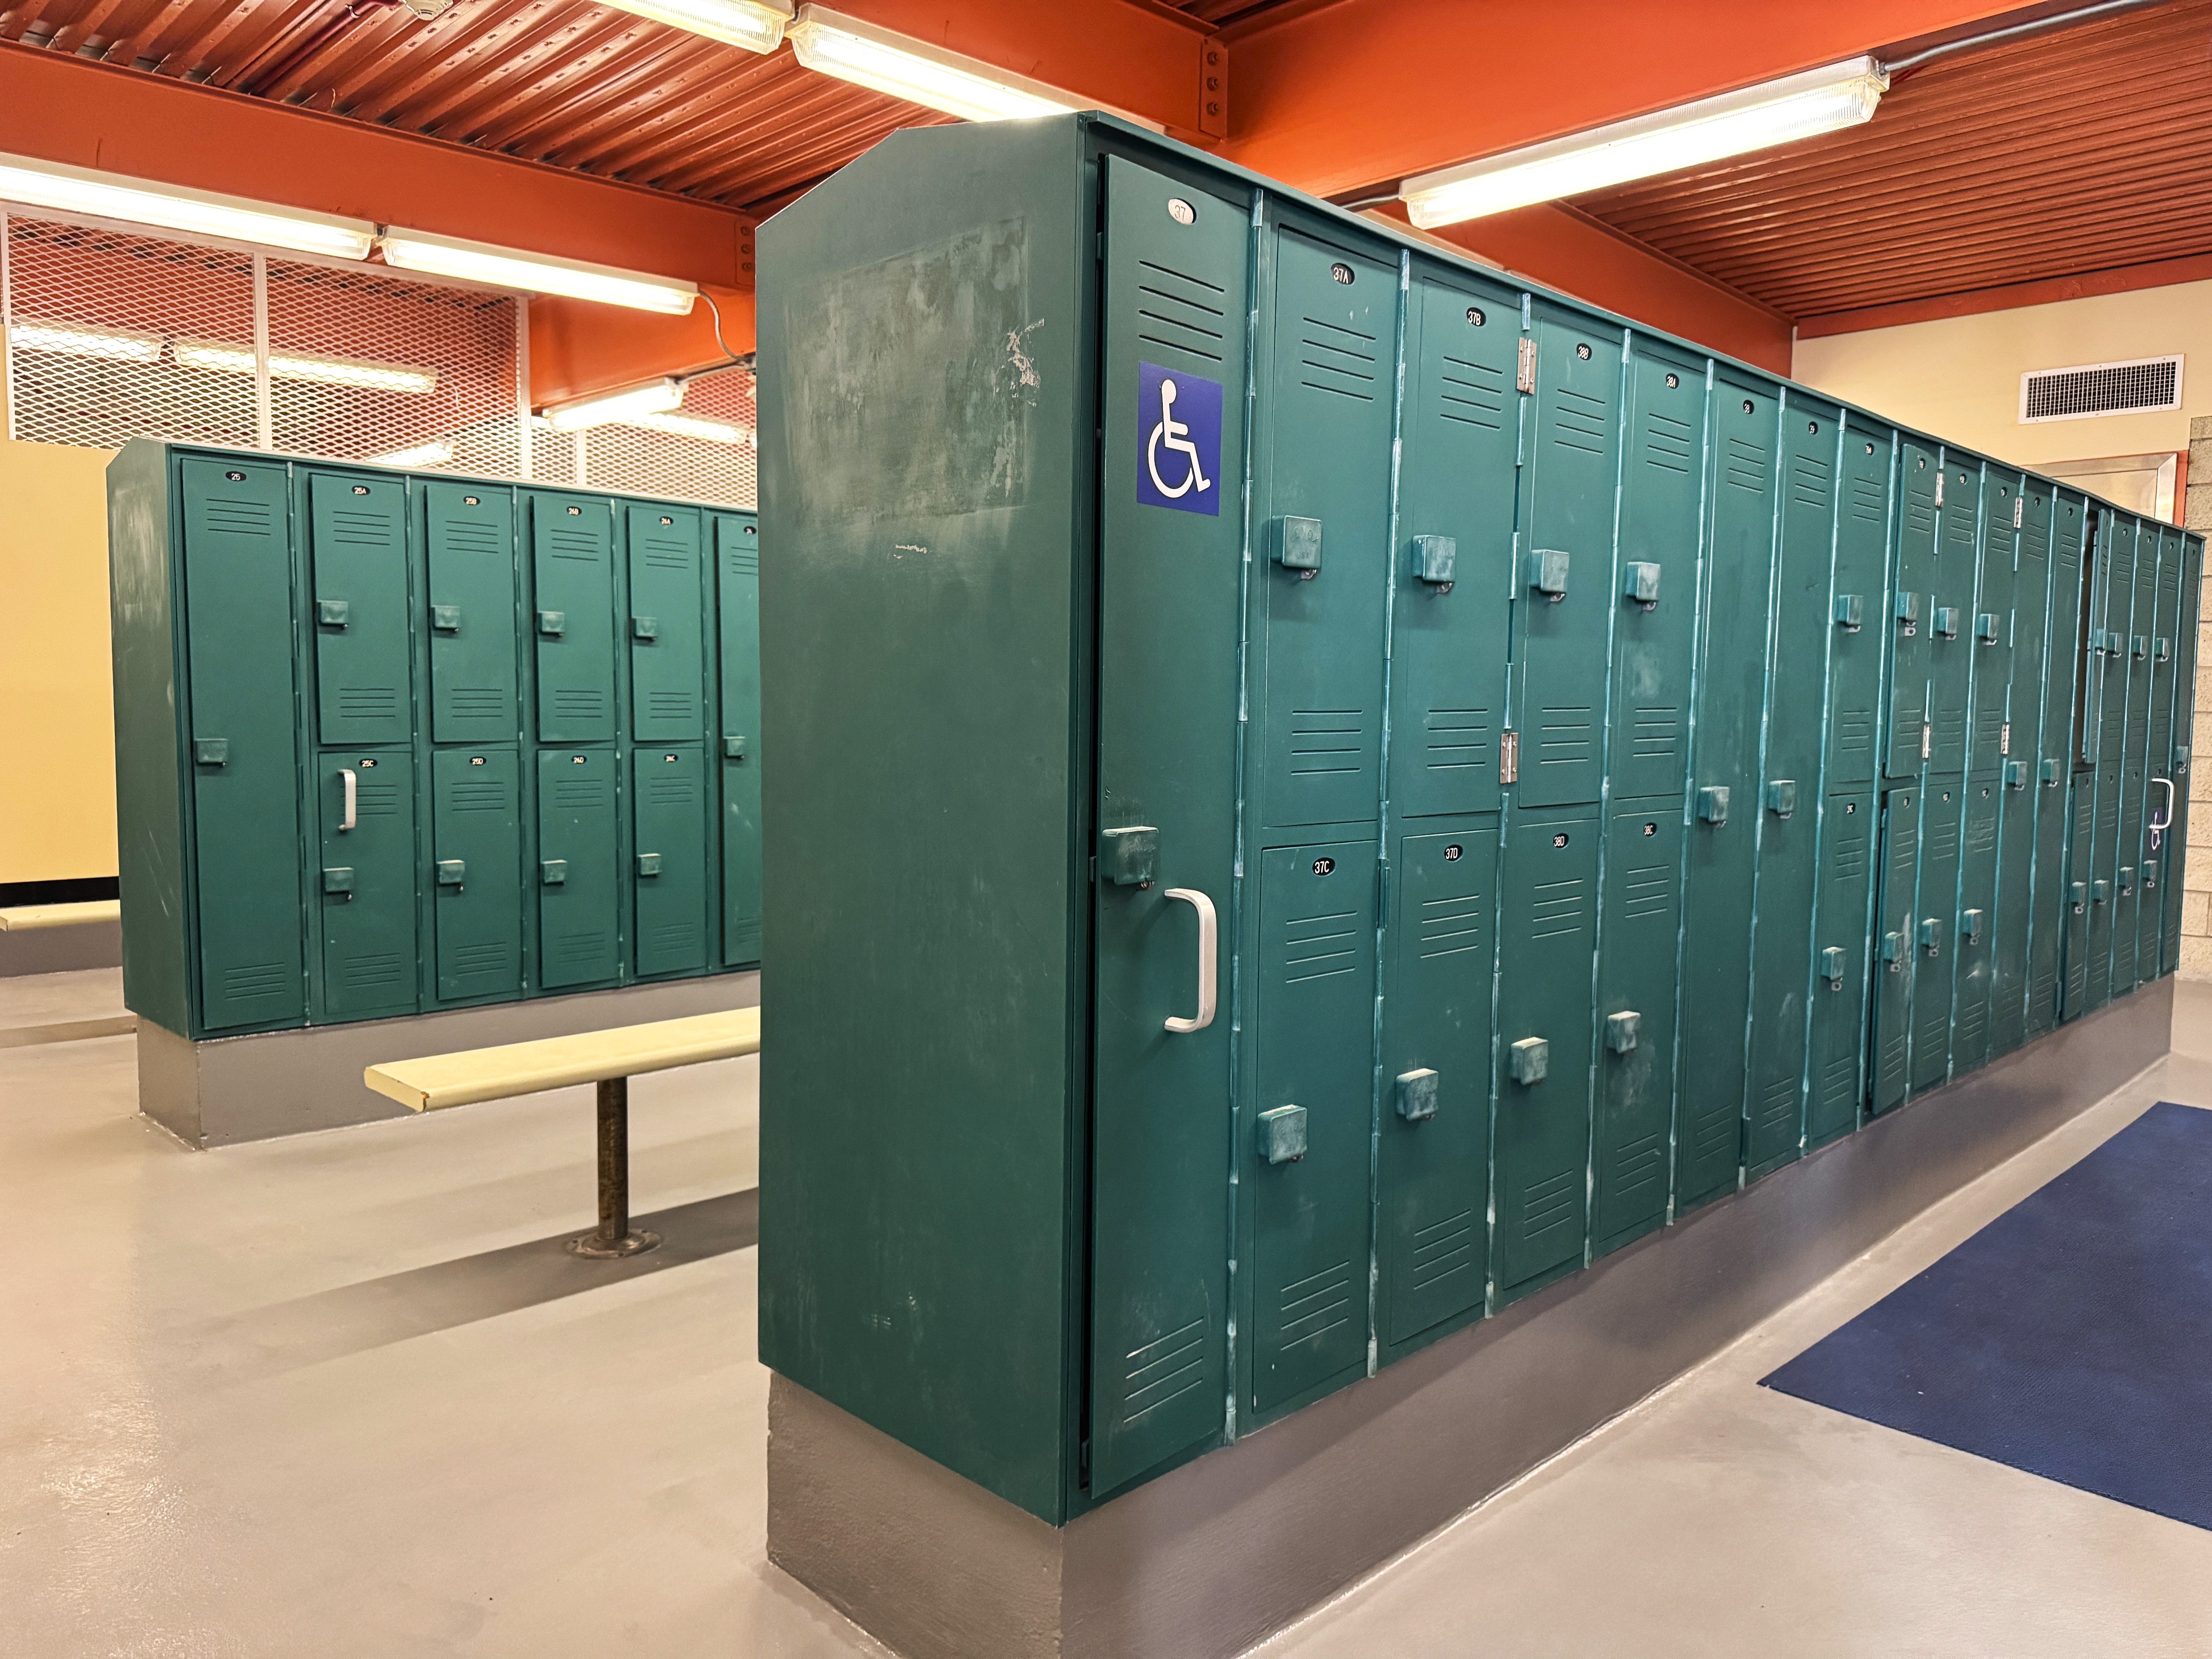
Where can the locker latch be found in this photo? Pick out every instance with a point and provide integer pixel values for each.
(1985, 627)
(1640, 582)
(2126, 879)
(1851, 611)
(553, 623)
(1529, 1060)
(1893, 951)
(1832, 966)
(1931, 936)
(1509, 757)
(446, 618)
(2162, 648)
(1417, 1095)
(211, 751)
(2077, 897)
(2100, 891)
(552, 873)
(1907, 608)
(1782, 797)
(1713, 804)
(1283, 1135)
(1129, 857)
(331, 613)
(1297, 546)
(2150, 873)
(2140, 645)
(1947, 621)
(2015, 773)
(645, 627)
(338, 879)
(1547, 573)
(649, 864)
(2048, 771)
(1434, 559)
(451, 871)
(733, 748)
(1969, 926)
(1621, 1029)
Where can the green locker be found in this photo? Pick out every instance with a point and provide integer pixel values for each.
(572, 566)
(738, 609)
(357, 553)
(1724, 809)
(2118, 549)
(1935, 930)
(1168, 592)
(1977, 927)
(1989, 743)
(245, 785)
(1801, 622)
(2156, 872)
(2054, 912)
(1325, 438)
(1861, 585)
(1895, 951)
(1562, 589)
(669, 833)
(1844, 966)
(1462, 431)
(667, 662)
(1433, 1172)
(2020, 920)
(469, 547)
(1639, 934)
(579, 927)
(367, 906)
(2128, 901)
(2175, 841)
(476, 841)
(1547, 931)
(1655, 630)
(2082, 896)
(1951, 617)
(1306, 1170)
(1912, 603)
(2105, 881)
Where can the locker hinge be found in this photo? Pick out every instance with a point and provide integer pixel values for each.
(1524, 379)
(1098, 245)
(1939, 489)
(2019, 505)
(1927, 740)
(2004, 738)
(1509, 757)
(1383, 887)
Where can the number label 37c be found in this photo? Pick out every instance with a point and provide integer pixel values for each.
(1178, 439)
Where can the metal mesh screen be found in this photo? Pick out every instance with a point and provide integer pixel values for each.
(704, 452)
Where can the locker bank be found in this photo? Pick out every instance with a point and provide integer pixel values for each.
(1418, 785)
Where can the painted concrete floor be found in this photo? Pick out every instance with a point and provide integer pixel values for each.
(345, 1396)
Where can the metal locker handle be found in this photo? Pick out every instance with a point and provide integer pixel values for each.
(1209, 951)
(2159, 826)
(350, 784)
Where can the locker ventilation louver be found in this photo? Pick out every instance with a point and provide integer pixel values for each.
(2073, 394)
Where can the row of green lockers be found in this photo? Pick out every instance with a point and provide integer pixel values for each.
(1615, 773)
(434, 741)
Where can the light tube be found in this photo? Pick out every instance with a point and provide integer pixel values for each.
(906, 68)
(626, 403)
(755, 25)
(693, 426)
(172, 207)
(1773, 112)
(364, 372)
(535, 273)
(127, 345)
(432, 454)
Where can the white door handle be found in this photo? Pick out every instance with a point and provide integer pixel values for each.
(1209, 950)
(2159, 826)
(347, 781)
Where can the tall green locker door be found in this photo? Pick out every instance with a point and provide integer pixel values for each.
(2117, 551)
(1950, 631)
(1859, 632)
(469, 536)
(1990, 741)
(1895, 948)
(579, 906)
(1655, 585)
(476, 839)
(1169, 593)
(1976, 926)
(357, 558)
(2021, 921)
(2157, 577)
(245, 785)
(667, 604)
(1913, 607)
(368, 910)
(1845, 965)
(1800, 621)
(1716, 898)
(2180, 762)
(1562, 590)
(1935, 929)
(573, 592)
(736, 554)
(669, 827)
(2063, 633)
(1547, 931)
(1639, 938)
(2085, 895)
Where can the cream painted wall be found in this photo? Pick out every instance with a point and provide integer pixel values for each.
(58, 780)
(1959, 378)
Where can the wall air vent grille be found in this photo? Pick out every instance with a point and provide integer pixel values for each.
(2073, 394)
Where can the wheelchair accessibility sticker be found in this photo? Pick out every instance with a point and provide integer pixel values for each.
(1178, 440)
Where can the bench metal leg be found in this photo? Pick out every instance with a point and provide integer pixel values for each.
(615, 1236)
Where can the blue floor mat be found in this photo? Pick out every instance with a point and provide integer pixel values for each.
(2071, 1337)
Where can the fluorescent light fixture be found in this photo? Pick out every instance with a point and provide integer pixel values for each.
(1773, 112)
(172, 207)
(363, 371)
(421, 455)
(694, 426)
(535, 273)
(921, 74)
(122, 345)
(755, 25)
(626, 403)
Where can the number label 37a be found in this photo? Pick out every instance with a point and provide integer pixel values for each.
(1178, 439)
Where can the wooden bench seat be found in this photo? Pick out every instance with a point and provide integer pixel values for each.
(30, 918)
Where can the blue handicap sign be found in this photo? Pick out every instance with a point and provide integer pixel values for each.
(1178, 439)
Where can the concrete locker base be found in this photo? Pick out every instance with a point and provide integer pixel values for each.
(1214, 1556)
(225, 1090)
